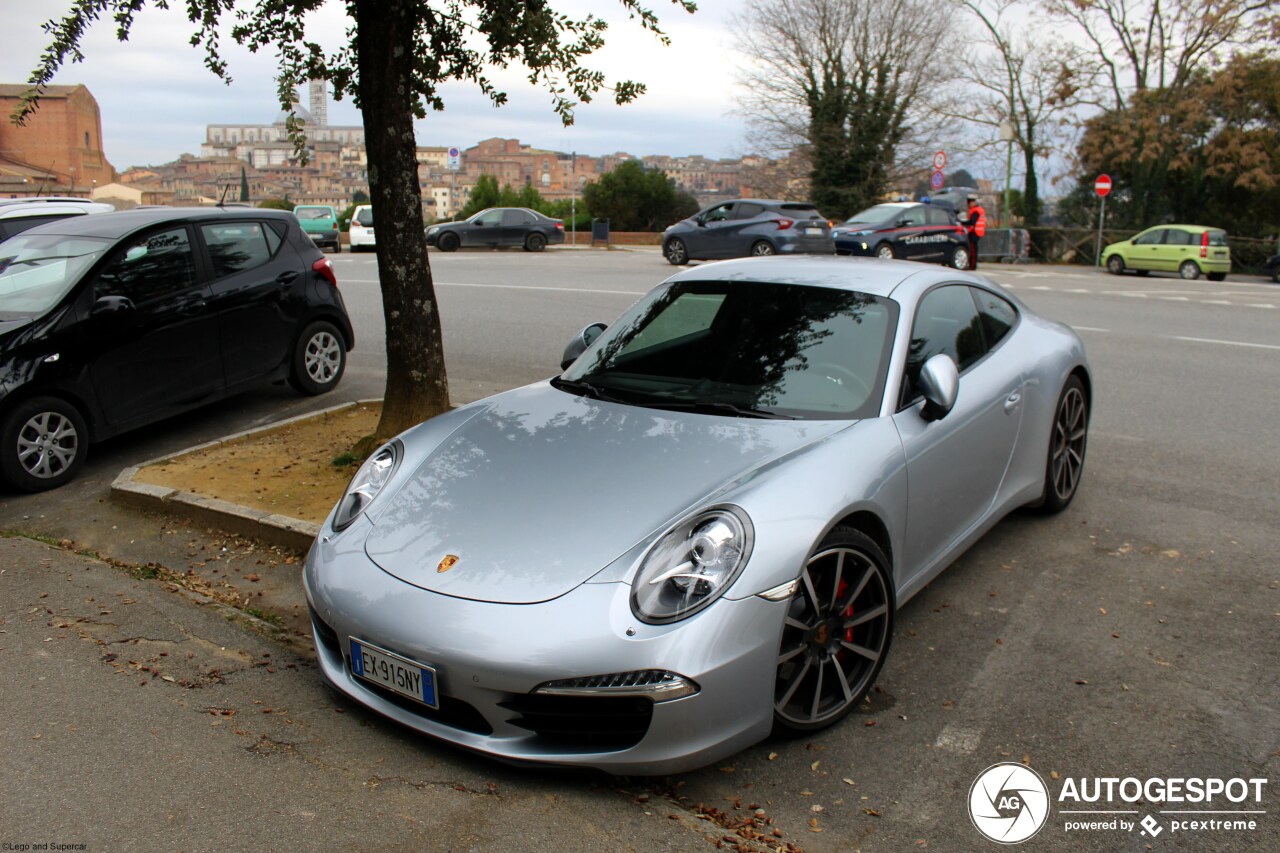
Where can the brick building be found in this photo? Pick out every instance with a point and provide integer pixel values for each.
(60, 148)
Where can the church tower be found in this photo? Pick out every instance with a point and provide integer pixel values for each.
(318, 98)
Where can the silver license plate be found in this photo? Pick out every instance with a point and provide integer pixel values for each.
(406, 677)
(813, 232)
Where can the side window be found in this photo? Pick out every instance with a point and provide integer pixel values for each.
(493, 217)
(516, 217)
(914, 216)
(998, 316)
(1176, 237)
(718, 213)
(946, 322)
(150, 268)
(365, 217)
(1150, 238)
(936, 216)
(237, 246)
(747, 210)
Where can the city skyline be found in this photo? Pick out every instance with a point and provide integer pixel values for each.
(156, 97)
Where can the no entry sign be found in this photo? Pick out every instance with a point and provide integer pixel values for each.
(1103, 185)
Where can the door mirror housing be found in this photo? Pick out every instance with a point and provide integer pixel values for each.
(939, 384)
(578, 343)
(112, 306)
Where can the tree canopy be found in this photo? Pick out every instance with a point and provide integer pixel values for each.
(634, 198)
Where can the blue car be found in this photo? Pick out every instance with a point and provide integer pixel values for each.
(749, 226)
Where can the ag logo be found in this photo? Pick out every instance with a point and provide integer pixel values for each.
(1008, 803)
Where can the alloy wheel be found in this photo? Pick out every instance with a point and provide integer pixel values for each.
(323, 357)
(1069, 432)
(762, 249)
(47, 445)
(835, 634)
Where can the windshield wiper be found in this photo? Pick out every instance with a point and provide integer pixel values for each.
(717, 408)
(582, 388)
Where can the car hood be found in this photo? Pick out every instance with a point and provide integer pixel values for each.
(541, 490)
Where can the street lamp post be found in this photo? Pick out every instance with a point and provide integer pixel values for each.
(1006, 135)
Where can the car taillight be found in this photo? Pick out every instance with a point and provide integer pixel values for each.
(559, 226)
(1204, 245)
(325, 269)
(831, 224)
(784, 224)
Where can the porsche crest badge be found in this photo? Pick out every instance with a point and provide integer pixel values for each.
(449, 561)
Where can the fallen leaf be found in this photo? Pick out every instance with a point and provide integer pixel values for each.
(1054, 774)
(773, 756)
(814, 765)
(872, 812)
(848, 781)
(1102, 610)
(1081, 681)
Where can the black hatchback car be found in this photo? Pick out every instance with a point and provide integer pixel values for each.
(111, 322)
(915, 231)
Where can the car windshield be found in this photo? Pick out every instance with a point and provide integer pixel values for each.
(36, 271)
(744, 348)
(877, 215)
(314, 213)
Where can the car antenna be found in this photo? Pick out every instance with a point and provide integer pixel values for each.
(224, 195)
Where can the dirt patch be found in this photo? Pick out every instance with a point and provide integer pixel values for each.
(288, 470)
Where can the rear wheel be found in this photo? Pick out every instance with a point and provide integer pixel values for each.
(960, 258)
(1115, 265)
(1190, 271)
(43, 442)
(1067, 443)
(836, 634)
(319, 359)
(885, 252)
(763, 248)
(448, 241)
(535, 242)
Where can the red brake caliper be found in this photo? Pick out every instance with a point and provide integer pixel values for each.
(840, 591)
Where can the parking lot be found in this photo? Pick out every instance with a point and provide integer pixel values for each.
(1134, 635)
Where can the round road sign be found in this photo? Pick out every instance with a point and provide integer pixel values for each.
(935, 180)
(939, 161)
(1103, 185)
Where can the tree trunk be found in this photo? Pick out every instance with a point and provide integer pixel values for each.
(417, 384)
(1030, 185)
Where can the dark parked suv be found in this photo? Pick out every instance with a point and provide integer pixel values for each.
(749, 226)
(111, 322)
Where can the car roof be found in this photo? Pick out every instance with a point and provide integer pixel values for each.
(864, 275)
(122, 222)
(17, 208)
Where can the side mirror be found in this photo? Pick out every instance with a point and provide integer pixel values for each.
(939, 383)
(578, 344)
(112, 306)
(701, 221)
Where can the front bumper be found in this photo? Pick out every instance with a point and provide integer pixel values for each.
(489, 658)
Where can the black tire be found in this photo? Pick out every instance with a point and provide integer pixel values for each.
(1115, 265)
(676, 253)
(448, 241)
(1275, 275)
(337, 247)
(836, 637)
(1189, 270)
(886, 252)
(762, 249)
(535, 242)
(43, 443)
(1068, 440)
(1217, 276)
(319, 359)
(959, 258)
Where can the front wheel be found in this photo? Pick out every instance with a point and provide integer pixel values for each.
(836, 634)
(319, 359)
(762, 249)
(885, 252)
(44, 441)
(960, 258)
(447, 242)
(1190, 271)
(535, 242)
(1115, 265)
(676, 252)
(1067, 442)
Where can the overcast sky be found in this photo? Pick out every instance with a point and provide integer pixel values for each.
(156, 96)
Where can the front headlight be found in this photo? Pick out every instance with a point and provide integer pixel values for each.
(375, 473)
(433, 229)
(692, 565)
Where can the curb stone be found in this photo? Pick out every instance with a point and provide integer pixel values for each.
(273, 528)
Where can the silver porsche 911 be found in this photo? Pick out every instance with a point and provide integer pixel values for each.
(701, 530)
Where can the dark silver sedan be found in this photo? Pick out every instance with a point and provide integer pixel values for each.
(749, 226)
(700, 531)
(498, 227)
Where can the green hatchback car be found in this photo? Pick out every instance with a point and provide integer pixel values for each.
(1188, 250)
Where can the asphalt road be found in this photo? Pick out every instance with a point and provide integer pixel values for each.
(1134, 635)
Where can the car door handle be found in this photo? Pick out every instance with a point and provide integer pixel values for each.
(1011, 402)
(195, 306)
(286, 278)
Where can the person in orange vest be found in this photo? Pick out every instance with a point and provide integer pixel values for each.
(975, 225)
